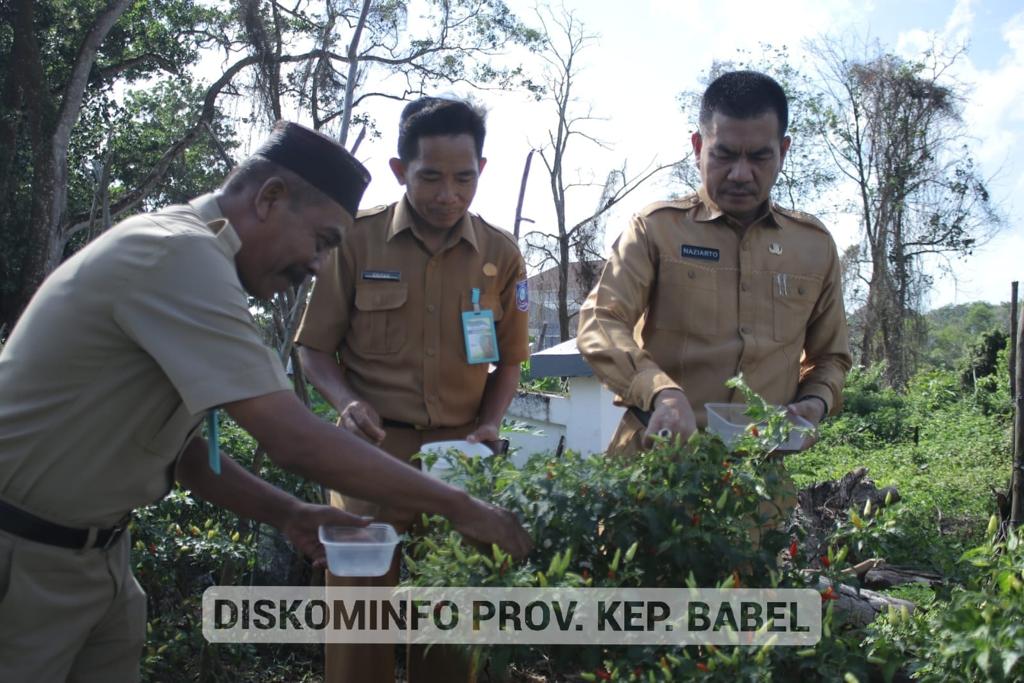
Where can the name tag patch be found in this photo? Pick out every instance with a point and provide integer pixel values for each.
(389, 275)
(702, 253)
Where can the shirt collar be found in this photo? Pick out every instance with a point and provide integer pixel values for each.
(210, 213)
(709, 211)
(405, 219)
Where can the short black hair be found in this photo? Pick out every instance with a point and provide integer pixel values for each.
(429, 116)
(744, 95)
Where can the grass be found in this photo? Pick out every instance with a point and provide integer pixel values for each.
(944, 479)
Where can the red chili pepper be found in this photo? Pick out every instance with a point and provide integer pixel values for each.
(828, 594)
(792, 550)
(695, 520)
(602, 674)
(611, 573)
(585, 574)
(638, 671)
(825, 562)
(726, 477)
(701, 666)
(736, 583)
(152, 549)
(754, 431)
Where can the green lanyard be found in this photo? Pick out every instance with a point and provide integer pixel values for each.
(213, 440)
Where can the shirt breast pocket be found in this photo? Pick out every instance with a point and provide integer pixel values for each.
(379, 326)
(793, 298)
(687, 299)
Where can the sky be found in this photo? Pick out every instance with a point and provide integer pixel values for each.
(648, 51)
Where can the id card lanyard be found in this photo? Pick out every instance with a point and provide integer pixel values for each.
(479, 333)
(213, 440)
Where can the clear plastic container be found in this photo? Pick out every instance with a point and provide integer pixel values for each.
(730, 421)
(441, 466)
(359, 551)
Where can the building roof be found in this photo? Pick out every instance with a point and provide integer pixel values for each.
(560, 360)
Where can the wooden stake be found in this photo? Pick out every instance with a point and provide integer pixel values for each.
(1017, 480)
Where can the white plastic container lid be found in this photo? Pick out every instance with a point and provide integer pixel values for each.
(359, 551)
(730, 421)
(440, 466)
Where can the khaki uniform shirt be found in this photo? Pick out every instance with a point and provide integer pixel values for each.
(117, 357)
(393, 313)
(713, 301)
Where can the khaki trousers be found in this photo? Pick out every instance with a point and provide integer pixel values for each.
(360, 663)
(68, 615)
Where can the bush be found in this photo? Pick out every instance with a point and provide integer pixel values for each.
(976, 633)
(677, 515)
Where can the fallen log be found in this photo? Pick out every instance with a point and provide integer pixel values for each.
(859, 607)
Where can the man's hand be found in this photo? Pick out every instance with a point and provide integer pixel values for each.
(672, 415)
(812, 410)
(301, 528)
(487, 434)
(361, 419)
(484, 524)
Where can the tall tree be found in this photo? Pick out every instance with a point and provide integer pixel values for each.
(59, 58)
(564, 38)
(63, 58)
(894, 129)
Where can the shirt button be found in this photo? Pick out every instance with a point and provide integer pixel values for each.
(430, 352)
(744, 330)
(691, 275)
(743, 286)
(801, 290)
(430, 308)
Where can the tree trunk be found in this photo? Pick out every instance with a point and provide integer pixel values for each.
(563, 290)
(50, 159)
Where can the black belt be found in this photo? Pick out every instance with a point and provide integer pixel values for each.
(26, 525)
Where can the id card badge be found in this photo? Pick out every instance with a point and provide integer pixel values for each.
(478, 330)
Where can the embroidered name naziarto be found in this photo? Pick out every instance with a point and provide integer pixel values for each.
(392, 275)
(703, 253)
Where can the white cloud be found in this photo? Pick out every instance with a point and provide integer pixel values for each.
(960, 20)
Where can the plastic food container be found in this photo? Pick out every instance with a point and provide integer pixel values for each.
(729, 422)
(359, 551)
(441, 465)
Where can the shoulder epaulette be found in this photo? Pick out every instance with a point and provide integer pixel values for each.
(682, 204)
(801, 217)
(372, 211)
(501, 231)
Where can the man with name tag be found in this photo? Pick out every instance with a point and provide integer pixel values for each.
(406, 320)
(156, 313)
(722, 282)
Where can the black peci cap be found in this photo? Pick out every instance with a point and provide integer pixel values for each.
(319, 160)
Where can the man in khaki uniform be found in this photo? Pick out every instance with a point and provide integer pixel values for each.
(725, 281)
(108, 374)
(383, 337)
